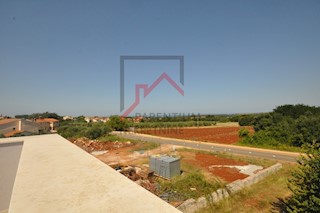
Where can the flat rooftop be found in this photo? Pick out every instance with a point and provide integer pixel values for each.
(54, 175)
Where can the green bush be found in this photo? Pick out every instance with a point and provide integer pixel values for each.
(243, 133)
(75, 129)
(117, 123)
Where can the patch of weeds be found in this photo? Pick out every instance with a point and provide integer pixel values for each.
(112, 138)
(145, 146)
(191, 185)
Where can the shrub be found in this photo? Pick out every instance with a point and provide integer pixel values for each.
(117, 123)
(243, 133)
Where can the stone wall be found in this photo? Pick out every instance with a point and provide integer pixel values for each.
(192, 205)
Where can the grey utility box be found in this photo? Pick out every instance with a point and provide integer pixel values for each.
(165, 166)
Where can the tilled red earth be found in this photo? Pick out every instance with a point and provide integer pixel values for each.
(207, 160)
(224, 135)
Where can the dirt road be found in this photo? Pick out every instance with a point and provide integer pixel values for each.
(248, 151)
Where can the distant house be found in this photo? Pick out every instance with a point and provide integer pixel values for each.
(104, 119)
(96, 119)
(137, 119)
(12, 126)
(87, 119)
(67, 117)
(48, 124)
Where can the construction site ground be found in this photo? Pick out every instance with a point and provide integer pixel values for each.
(132, 160)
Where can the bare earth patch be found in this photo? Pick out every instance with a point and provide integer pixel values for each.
(227, 169)
(223, 135)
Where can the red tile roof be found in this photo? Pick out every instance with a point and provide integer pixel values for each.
(5, 121)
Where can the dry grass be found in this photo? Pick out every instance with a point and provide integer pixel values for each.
(260, 197)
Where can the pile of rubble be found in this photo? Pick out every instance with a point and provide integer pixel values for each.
(142, 177)
(94, 145)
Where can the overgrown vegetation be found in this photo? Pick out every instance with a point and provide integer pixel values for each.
(146, 146)
(118, 123)
(80, 128)
(287, 126)
(191, 185)
(113, 138)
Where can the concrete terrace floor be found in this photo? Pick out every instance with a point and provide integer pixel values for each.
(56, 176)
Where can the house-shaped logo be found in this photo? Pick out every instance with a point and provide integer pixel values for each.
(145, 87)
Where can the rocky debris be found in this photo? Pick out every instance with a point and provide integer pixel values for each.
(130, 173)
(99, 152)
(140, 176)
(94, 145)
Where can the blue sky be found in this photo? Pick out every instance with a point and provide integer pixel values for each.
(240, 56)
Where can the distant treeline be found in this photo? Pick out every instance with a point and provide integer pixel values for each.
(170, 124)
(40, 115)
(291, 125)
(184, 118)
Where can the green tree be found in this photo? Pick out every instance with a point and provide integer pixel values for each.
(118, 123)
(246, 120)
(78, 128)
(305, 184)
(295, 111)
(307, 131)
(93, 132)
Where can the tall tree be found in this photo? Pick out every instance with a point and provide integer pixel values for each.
(305, 183)
(118, 123)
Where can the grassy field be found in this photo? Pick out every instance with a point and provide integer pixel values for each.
(261, 197)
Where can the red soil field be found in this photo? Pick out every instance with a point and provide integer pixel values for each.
(224, 135)
(228, 174)
(207, 160)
